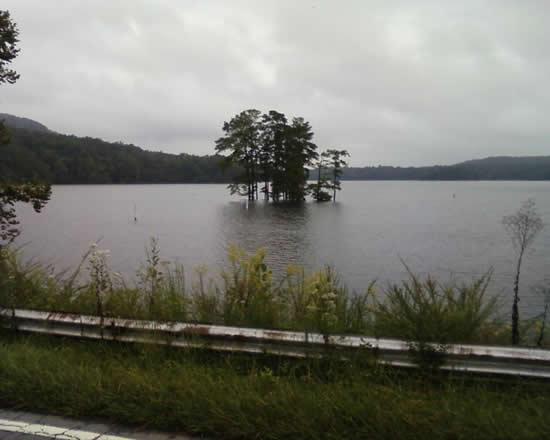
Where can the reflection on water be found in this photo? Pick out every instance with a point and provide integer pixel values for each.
(281, 229)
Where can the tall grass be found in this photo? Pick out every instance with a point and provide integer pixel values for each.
(246, 293)
(242, 397)
(428, 311)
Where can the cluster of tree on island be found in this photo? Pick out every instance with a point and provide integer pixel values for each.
(277, 155)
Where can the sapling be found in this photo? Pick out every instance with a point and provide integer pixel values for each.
(522, 227)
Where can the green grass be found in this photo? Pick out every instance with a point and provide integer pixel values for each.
(244, 397)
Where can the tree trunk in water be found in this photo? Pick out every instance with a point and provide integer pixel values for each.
(334, 186)
(318, 184)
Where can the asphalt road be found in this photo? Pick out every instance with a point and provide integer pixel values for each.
(23, 425)
(14, 436)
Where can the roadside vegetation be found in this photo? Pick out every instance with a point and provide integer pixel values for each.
(522, 227)
(251, 397)
(239, 396)
(245, 292)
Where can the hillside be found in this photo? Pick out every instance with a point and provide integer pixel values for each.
(38, 153)
(25, 123)
(491, 168)
(35, 152)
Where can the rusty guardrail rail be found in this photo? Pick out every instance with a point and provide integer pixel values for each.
(481, 359)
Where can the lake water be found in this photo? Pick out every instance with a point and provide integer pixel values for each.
(451, 230)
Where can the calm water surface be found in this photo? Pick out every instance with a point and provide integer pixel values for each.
(451, 230)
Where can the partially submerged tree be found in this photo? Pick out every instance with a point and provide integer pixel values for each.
(270, 150)
(13, 192)
(522, 227)
(242, 139)
(319, 189)
(300, 152)
(274, 141)
(336, 161)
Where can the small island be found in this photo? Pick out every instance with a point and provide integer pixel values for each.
(271, 151)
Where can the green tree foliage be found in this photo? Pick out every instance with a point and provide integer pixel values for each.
(8, 48)
(319, 189)
(61, 159)
(37, 194)
(491, 168)
(274, 135)
(12, 192)
(242, 139)
(8, 51)
(300, 153)
(270, 150)
(4, 134)
(336, 161)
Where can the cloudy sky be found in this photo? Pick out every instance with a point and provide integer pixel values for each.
(395, 84)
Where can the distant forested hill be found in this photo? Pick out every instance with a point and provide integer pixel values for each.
(17, 122)
(36, 152)
(491, 168)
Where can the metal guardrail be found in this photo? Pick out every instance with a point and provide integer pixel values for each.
(530, 362)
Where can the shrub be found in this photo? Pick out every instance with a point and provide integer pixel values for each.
(426, 311)
(247, 290)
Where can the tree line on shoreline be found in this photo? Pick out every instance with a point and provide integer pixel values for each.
(490, 168)
(64, 159)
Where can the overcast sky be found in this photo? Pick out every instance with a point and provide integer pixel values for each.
(395, 84)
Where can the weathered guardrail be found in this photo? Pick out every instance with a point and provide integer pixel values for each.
(461, 357)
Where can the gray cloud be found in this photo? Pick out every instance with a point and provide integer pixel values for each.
(439, 82)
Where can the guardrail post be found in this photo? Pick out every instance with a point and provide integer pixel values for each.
(14, 326)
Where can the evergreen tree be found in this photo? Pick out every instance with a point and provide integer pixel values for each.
(275, 136)
(269, 149)
(242, 138)
(13, 192)
(8, 48)
(301, 153)
(335, 158)
(318, 189)
(8, 51)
